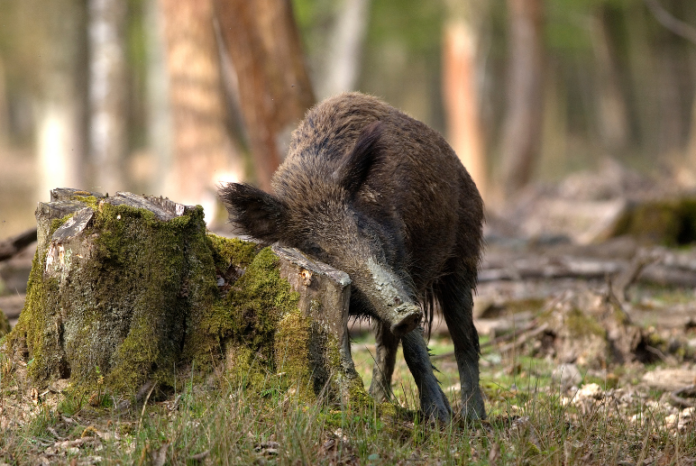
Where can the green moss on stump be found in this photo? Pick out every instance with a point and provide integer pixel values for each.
(143, 258)
(671, 222)
(231, 251)
(27, 338)
(265, 332)
(147, 304)
(88, 199)
(127, 321)
(256, 302)
(4, 324)
(292, 351)
(580, 324)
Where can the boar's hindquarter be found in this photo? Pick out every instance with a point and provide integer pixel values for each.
(373, 192)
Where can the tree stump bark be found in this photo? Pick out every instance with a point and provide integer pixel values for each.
(128, 291)
(324, 297)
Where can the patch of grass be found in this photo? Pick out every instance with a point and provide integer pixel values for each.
(71, 404)
(37, 427)
(227, 422)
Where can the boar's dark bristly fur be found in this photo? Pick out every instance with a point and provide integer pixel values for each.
(382, 196)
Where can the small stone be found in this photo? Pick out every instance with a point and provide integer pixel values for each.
(590, 391)
(566, 375)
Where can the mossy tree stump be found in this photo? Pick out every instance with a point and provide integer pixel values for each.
(129, 290)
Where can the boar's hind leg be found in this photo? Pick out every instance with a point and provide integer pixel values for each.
(386, 346)
(433, 401)
(457, 302)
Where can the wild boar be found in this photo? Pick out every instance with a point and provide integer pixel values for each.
(383, 197)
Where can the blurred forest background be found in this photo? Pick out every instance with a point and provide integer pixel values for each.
(171, 97)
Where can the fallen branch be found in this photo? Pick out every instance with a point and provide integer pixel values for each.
(524, 338)
(666, 19)
(651, 266)
(511, 335)
(548, 268)
(631, 274)
(16, 244)
(76, 443)
(524, 334)
(678, 397)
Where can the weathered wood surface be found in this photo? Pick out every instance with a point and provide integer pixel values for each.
(325, 299)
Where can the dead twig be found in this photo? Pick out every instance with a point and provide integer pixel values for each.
(524, 338)
(656, 352)
(630, 275)
(677, 397)
(668, 20)
(142, 413)
(55, 433)
(200, 456)
(522, 333)
(509, 336)
(76, 443)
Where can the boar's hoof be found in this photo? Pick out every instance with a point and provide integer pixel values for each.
(473, 409)
(407, 318)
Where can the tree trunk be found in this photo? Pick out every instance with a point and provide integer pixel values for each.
(203, 152)
(461, 98)
(691, 143)
(160, 128)
(523, 121)
(642, 70)
(671, 125)
(61, 112)
(4, 109)
(341, 59)
(133, 289)
(274, 88)
(612, 114)
(107, 71)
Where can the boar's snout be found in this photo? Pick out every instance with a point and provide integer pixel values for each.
(406, 318)
(388, 294)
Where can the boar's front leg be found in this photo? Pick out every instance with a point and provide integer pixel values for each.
(385, 358)
(457, 303)
(433, 401)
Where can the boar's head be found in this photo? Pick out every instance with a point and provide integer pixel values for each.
(320, 208)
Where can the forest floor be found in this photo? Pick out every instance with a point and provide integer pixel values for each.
(553, 396)
(587, 357)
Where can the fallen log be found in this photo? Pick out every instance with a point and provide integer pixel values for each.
(670, 270)
(538, 268)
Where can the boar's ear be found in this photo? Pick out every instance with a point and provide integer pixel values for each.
(355, 165)
(254, 212)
